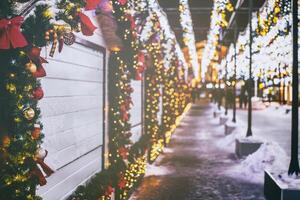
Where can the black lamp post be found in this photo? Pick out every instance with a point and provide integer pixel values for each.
(294, 164)
(234, 78)
(249, 130)
(226, 89)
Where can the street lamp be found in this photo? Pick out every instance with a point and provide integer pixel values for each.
(249, 130)
(234, 78)
(294, 164)
(226, 88)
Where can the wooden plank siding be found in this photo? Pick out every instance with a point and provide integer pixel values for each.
(72, 115)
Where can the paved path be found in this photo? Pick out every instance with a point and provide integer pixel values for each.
(196, 166)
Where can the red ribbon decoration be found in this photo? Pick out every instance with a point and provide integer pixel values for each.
(91, 4)
(40, 72)
(138, 76)
(122, 2)
(109, 190)
(87, 27)
(132, 21)
(123, 152)
(10, 33)
(122, 183)
(35, 55)
(36, 172)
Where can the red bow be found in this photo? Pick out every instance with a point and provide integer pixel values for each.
(109, 190)
(123, 152)
(87, 27)
(132, 22)
(122, 2)
(10, 33)
(34, 54)
(138, 76)
(91, 4)
(122, 183)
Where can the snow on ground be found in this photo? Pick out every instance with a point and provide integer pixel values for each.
(269, 156)
(168, 150)
(286, 181)
(156, 170)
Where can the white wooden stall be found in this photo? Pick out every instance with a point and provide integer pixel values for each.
(73, 115)
(136, 113)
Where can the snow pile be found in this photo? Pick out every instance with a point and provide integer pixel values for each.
(168, 150)
(154, 170)
(268, 156)
(228, 143)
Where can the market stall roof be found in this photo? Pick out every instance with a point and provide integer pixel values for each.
(240, 16)
(201, 12)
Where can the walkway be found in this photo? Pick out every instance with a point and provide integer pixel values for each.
(196, 166)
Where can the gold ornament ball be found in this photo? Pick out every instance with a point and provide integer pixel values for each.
(31, 67)
(29, 113)
(17, 120)
(11, 88)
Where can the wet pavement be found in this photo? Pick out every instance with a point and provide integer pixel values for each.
(196, 166)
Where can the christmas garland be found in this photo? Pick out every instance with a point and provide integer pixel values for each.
(272, 13)
(189, 38)
(21, 40)
(218, 23)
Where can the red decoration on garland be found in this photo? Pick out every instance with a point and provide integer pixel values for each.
(140, 66)
(141, 57)
(132, 22)
(128, 89)
(138, 76)
(125, 116)
(122, 2)
(10, 33)
(36, 172)
(39, 158)
(40, 72)
(122, 183)
(123, 152)
(109, 190)
(91, 4)
(60, 44)
(35, 55)
(87, 27)
(38, 93)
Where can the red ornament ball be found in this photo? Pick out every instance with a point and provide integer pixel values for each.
(38, 93)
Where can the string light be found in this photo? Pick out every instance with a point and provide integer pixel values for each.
(189, 37)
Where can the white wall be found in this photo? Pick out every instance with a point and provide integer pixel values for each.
(136, 110)
(72, 115)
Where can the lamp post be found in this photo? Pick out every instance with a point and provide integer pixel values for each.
(226, 89)
(234, 78)
(249, 130)
(294, 164)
